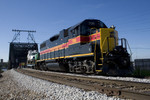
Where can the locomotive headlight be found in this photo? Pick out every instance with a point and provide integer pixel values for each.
(113, 27)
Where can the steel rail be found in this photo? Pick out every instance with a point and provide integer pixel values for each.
(94, 84)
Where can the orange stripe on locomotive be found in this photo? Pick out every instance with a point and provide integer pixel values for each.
(78, 39)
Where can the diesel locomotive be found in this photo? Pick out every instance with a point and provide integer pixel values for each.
(87, 47)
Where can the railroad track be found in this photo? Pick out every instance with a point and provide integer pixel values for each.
(122, 89)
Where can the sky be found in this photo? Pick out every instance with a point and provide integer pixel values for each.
(48, 17)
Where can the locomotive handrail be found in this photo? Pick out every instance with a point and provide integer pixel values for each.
(103, 44)
(101, 47)
(95, 49)
(126, 44)
(129, 47)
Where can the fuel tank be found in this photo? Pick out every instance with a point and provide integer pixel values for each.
(56, 66)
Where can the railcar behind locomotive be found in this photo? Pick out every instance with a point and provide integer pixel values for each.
(87, 47)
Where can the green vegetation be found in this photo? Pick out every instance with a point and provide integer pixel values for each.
(141, 73)
(4, 65)
(1, 70)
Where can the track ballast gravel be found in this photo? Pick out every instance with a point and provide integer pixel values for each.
(14, 85)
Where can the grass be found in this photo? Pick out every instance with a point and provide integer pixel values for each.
(141, 73)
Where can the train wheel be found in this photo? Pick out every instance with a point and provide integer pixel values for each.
(44, 67)
(89, 66)
(111, 69)
(83, 69)
(41, 66)
(75, 67)
(71, 67)
(37, 66)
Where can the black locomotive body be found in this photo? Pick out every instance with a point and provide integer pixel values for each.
(88, 47)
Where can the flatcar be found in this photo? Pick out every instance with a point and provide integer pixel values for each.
(87, 47)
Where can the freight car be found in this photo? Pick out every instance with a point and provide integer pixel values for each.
(87, 47)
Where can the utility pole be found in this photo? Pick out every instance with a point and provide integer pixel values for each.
(1, 63)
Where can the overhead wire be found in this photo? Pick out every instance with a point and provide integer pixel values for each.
(140, 48)
(129, 16)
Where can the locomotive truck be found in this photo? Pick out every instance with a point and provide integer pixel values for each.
(87, 47)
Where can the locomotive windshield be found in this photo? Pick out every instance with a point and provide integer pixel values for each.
(89, 25)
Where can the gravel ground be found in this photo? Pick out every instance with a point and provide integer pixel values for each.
(16, 86)
(10, 90)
